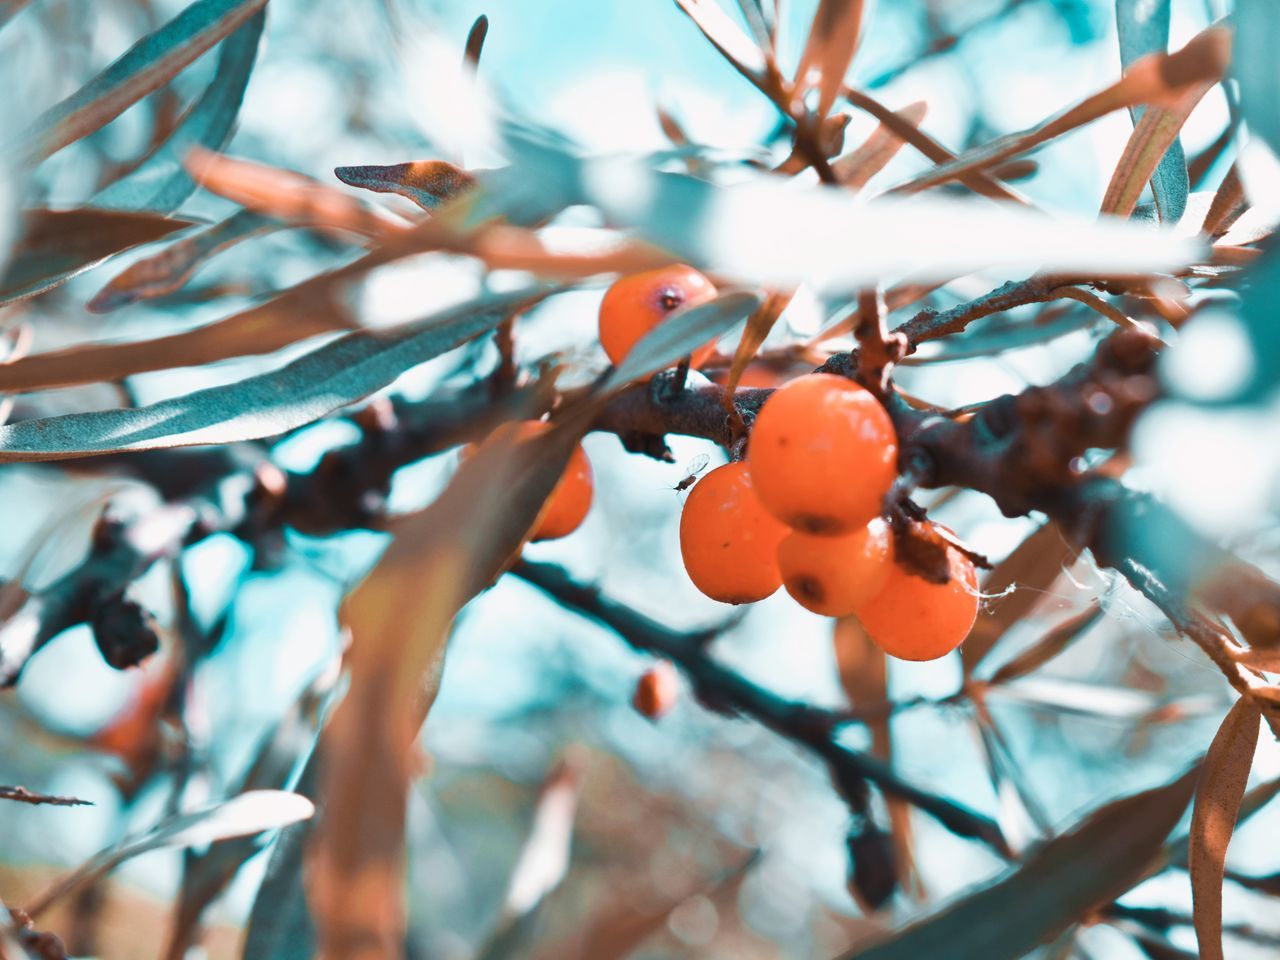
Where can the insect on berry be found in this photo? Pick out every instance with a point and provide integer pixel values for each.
(823, 454)
(913, 619)
(836, 575)
(569, 502)
(729, 542)
(656, 690)
(637, 303)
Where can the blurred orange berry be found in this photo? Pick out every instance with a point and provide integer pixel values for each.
(656, 690)
(822, 454)
(913, 619)
(729, 542)
(637, 303)
(569, 502)
(836, 575)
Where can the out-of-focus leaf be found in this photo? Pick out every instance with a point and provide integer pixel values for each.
(1213, 818)
(1143, 28)
(781, 234)
(1087, 699)
(148, 64)
(245, 814)
(1048, 646)
(289, 197)
(333, 376)
(1140, 163)
(10, 8)
(758, 326)
(978, 181)
(1227, 206)
(543, 861)
(864, 678)
(56, 245)
(833, 40)
(725, 36)
(399, 618)
(428, 183)
(854, 169)
(1019, 581)
(161, 183)
(1019, 811)
(475, 40)
(1257, 68)
(680, 334)
(1056, 886)
(168, 270)
(1154, 80)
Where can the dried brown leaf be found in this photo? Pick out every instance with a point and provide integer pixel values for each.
(757, 329)
(854, 169)
(1159, 79)
(1228, 204)
(1213, 818)
(428, 183)
(1048, 646)
(725, 35)
(833, 40)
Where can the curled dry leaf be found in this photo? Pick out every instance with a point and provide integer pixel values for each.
(168, 270)
(428, 183)
(1213, 818)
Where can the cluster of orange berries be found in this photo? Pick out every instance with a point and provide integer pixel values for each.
(801, 511)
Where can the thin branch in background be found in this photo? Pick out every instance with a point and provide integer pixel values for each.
(23, 795)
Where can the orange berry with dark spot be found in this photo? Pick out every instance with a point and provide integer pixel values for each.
(913, 619)
(569, 502)
(836, 575)
(728, 540)
(656, 690)
(823, 454)
(637, 303)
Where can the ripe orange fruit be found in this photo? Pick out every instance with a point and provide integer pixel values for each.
(728, 540)
(836, 575)
(656, 690)
(569, 502)
(913, 619)
(636, 304)
(822, 454)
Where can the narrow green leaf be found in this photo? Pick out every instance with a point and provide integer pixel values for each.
(56, 245)
(1143, 28)
(149, 64)
(1054, 887)
(1213, 819)
(335, 375)
(680, 334)
(162, 183)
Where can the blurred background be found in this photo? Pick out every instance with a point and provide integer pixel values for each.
(699, 834)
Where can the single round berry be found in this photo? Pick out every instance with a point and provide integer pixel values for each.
(569, 502)
(823, 454)
(656, 690)
(728, 540)
(913, 619)
(637, 303)
(836, 575)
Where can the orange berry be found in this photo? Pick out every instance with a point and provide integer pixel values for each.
(728, 540)
(569, 502)
(823, 454)
(656, 690)
(834, 576)
(636, 304)
(913, 619)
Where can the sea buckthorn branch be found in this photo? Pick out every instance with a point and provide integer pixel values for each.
(721, 688)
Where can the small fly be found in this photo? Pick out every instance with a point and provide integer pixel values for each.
(696, 466)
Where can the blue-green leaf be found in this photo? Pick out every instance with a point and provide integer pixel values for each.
(1143, 28)
(335, 375)
(149, 64)
(1257, 67)
(161, 183)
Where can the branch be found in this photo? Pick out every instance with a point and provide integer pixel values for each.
(23, 795)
